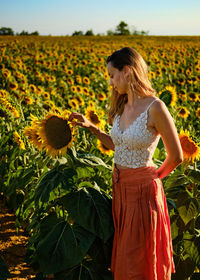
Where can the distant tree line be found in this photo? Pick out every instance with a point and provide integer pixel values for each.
(9, 31)
(121, 29)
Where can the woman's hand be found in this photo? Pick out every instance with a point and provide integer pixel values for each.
(82, 120)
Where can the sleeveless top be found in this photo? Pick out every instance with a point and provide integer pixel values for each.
(135, 146)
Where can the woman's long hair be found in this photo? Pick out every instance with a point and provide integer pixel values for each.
(138, 80)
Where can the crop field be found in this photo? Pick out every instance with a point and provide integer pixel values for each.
(60, 189)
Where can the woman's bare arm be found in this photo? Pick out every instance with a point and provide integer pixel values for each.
(84, 122)
(103, 137)
(164, 124)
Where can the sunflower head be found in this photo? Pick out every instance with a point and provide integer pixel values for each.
(56, 133)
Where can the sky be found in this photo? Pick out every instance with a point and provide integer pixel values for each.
(63, 17)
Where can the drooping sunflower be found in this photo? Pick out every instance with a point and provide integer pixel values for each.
(103, 148)
(19, 141)
(55, 134)
(191, 151)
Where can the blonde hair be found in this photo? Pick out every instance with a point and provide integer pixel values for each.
(139, 81)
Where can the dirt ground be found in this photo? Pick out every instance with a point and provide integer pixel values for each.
(13, 246)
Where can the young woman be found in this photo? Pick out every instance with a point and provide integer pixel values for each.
(142, 245)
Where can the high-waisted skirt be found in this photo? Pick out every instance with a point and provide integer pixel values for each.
(142, 245)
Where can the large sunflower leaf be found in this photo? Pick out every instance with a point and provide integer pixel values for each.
(85, 271)
(189, 210)
(63, 247)
(91, 209)
(51, 180)
(192, 246)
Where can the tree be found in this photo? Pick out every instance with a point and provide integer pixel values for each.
(77, 33)
(89, 33)
(122, 29)
(6, 31)
(35, 33)
(110, 32)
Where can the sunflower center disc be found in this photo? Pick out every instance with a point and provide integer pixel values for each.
(58, 132)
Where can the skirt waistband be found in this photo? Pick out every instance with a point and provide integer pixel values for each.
(131, 175)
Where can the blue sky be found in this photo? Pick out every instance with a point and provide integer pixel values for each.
(63, 17)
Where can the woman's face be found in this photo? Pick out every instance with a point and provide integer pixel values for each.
(117, 79)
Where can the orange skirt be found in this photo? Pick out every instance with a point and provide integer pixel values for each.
(142, 245)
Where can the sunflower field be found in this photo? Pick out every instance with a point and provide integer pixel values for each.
(60, 188)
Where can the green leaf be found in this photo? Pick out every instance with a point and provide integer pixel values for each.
(51, 180)
(194, 176)
(84, 172)
(85, 271)
(92, 210)
(192, 247)
(63, 247)
(189, 211)
(176, 179)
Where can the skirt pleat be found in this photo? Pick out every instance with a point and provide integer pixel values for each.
(142, 245)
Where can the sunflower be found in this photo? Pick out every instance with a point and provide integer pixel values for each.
(73, 103)
(46, 95)
(73, 89)
(69, 72)
(183, 112)
(80, 100)
(86, 80)
(13, 86)
(70, 81)
(33, 88)
(19, 140)
(31, 132)
(6, 73)
(27, 100)
(79, 89)
(173, 93)
(78, 79)
(56, 134)
(85, 91)
(91, 104)
(3, 93)
(10, 107)
(193, 96)
(101, 96)
(182, 95)
(190, 149)
(91, 94)
(103, 148)
(92, 116)
(198, 113)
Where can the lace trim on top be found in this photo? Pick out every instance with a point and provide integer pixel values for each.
(135, 146)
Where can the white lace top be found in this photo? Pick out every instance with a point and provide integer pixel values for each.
(135, 146)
